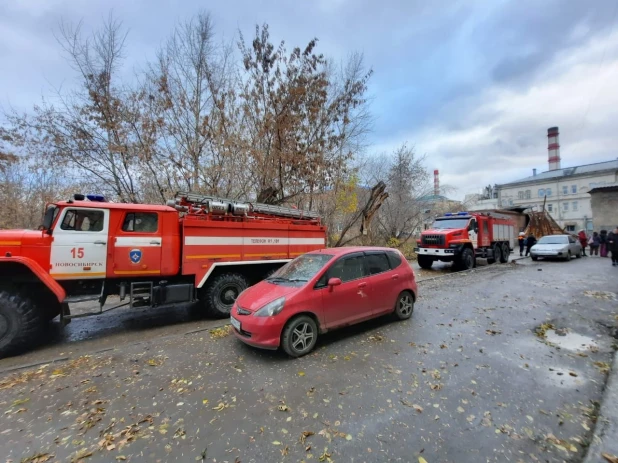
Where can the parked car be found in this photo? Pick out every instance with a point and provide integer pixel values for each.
(320, 291)
(559, 246)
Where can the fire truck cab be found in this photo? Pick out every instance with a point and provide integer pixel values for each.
(195, 249)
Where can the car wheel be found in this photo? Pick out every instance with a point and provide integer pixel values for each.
(404, 305)
(568, 257)
(299, 336)
(535, 258)
(578, 255)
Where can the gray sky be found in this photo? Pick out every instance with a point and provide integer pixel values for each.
(474, 85)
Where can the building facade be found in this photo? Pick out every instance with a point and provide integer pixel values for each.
(604, 205)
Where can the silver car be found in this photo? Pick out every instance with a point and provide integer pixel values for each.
(559, 246)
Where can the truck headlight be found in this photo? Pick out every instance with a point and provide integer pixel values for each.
(272, 308)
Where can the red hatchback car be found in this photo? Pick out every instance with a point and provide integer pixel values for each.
(320, 291)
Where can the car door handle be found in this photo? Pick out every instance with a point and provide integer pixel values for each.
(155, 242)
(100, 242)
(395, 276)
(362, 285)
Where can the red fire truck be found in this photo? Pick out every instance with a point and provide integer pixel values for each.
(195, 249)
(462, 237)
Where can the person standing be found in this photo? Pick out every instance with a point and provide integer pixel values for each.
(595, 243)
(603, 240)
(521, 238)
(583, 240)
(530, 241)
(612, 246)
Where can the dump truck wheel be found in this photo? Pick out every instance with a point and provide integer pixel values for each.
(20, 323)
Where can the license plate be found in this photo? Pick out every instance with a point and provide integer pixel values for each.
(235, 323)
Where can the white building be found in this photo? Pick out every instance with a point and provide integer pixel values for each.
(565, 190)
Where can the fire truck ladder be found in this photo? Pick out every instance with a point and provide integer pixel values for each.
(279, 211)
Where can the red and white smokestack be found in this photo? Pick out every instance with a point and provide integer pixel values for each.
(553, 148)
(436, 182)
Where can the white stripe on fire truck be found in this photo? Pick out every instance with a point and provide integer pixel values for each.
(141, 241)
(249, 240)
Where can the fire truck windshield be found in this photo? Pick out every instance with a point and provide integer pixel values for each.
(450, 224)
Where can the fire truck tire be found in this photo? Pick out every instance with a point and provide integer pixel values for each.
(504, 257)
(497, 250)
(220, 294)
(424, 261)
(20, 323)
(466, 260)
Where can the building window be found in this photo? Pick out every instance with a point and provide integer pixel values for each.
(541, 193)
(528, 194)
(548, 192)
(565, 206)
(550, 208)
(574, 205)
(573, 189)
(565, 190)
(520, 195)
(570, 228)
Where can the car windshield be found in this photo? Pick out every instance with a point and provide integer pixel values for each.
(449, 224)
(554, 240)
(301, 269)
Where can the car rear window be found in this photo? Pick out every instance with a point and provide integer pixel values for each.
(377, 263)
(394, 258)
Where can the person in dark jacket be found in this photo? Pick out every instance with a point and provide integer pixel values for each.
(612, 245)
(521, 238)
(530, 241)
(603, 241)
(595, 244)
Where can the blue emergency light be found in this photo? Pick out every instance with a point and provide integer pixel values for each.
(97, 198)
(462, 213)
(448, 214)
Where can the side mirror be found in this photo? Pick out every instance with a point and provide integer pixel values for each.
(334, 282)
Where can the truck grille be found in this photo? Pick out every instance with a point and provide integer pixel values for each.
(433, 240)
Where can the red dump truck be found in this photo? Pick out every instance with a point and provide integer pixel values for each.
(195, 249)
(463, 237)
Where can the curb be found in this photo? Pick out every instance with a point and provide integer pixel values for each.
(605, 434)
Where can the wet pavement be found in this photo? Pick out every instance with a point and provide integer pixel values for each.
(506, 363)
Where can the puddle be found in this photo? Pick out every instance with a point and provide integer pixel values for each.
(571, 341)
(564, 378)
(606, 295)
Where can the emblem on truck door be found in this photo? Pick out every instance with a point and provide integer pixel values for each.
(135, 255)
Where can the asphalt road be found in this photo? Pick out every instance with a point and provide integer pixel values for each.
(466, 379)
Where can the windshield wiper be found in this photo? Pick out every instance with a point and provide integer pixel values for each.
(293, 280)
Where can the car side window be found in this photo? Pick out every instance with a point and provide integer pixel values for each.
(348, 269)
(141, 222)
(394, 259)
(377, 263)
(571, 240)
(83, 220)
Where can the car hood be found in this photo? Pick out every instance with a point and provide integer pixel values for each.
(550, 247)
(259, 295)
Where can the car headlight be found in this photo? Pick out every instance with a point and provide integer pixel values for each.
(272, 308)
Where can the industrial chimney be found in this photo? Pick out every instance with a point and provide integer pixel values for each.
(553, 148)
(436, 182)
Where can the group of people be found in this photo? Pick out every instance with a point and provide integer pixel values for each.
(601, 244)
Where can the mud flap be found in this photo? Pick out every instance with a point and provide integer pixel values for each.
(64, 314)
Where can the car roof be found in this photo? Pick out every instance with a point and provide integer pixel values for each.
(349, 250)
(124, 206)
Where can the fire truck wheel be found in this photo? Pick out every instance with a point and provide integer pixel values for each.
(466, 260)
(221, 293)
(19, 323)
(504, 257)
(424, 261)
(497, 253)
(299, 336)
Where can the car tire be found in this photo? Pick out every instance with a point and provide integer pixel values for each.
(404, 305)
(424, 262)
(578, 255)
(20, 323)
(294, 339)
(220, 294)
(534, 258)
(506, 251)
(568, 257)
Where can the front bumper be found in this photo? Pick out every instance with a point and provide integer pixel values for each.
(549, 253)
(262, 332)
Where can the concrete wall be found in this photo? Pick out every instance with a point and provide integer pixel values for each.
(604, 210)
